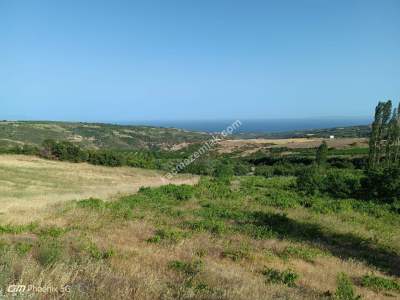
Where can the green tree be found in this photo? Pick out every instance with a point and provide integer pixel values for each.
(393, 139)
(379, 133)
(224, 170)
(322, 154)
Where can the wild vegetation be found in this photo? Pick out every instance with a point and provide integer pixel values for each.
(317, 223)
(16, 134)
(224, 238)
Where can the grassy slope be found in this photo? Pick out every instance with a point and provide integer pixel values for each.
(30, 182)
(94, 135)
(214, 241)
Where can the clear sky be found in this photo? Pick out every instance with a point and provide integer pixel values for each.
(206, 59)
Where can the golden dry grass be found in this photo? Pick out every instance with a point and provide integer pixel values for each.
(145, 265)
(29, 183)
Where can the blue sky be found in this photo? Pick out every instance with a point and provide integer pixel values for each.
(152, 60)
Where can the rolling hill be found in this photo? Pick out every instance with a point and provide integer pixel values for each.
(90, 135)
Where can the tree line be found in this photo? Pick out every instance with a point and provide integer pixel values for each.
(378, 181)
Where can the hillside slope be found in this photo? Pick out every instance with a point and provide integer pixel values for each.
(94, 135)
(28, 182)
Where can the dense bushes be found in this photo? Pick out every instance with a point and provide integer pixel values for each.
(342, 184)
(280, 169)
(106, 158)
(178, 192)
(310, 180)
(273, 160)
(63, 151)
(382, 184)
(68, 151)
(337, 183)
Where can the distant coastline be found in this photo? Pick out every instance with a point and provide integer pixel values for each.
(258, 126)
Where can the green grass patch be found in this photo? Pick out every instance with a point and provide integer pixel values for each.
(22, 248)
(301, 252)
(91, 203)
(15, 229)
(345, 289)
(168, 235)
(216, 227)
(188, 268)
(378, 283)
(287, 277)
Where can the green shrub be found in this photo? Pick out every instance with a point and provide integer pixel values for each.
(51, 231)
(286, 277)
(169, 235)
(279, 169)
(341, 163)
(23, 248)
(98, 254)
(210, 225)
(178, 192)
(322, 154)
(395, 207)
(106, 158)
(223, 170)
(310, 180)
(188, 268)
(380, 283)
(382, 184)
(335, 182)
(266, 171)
(341, 184)
(203, 166)
(49, 251)
(345, 289)
(64, 150)
(241, 168)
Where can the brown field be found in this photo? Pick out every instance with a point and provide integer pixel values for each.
(253, 145)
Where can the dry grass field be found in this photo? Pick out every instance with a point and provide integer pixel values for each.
(29, 183)
(252, 145)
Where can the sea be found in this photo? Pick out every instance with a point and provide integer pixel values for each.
(257, 125)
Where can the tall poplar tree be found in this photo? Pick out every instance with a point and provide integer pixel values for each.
(384, 143)
(374, 137)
